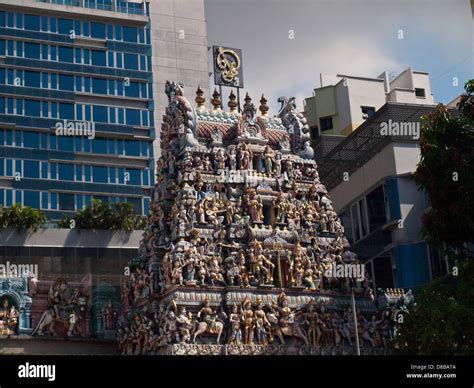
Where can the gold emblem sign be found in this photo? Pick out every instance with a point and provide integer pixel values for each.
(228, 61)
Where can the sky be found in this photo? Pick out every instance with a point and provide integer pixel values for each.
(353, 37)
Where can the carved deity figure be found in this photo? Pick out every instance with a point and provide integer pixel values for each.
(248, 321)
(268, 157)
(235, 337)
(262, 326)
(109, 315)
(312, 320)
(8, 317)
(185, 325)
(177, 273)
(245, 157)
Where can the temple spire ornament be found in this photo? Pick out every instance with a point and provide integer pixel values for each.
(216, 100)
(200, 99)
(248, 100)
(232, 104)
(264, 108)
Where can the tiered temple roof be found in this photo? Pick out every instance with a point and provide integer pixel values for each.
(243, 245)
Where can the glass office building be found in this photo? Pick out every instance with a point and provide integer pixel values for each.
(76, 104)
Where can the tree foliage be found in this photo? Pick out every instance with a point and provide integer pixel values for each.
(446, 173)
(441, 322)
(21, 218)
(105, 216)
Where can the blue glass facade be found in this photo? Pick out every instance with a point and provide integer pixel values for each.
(63, 69)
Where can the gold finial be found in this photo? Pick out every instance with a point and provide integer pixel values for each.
(263, 106)
(216, 100)
(200, 99)
(247, 100)
(232, 102)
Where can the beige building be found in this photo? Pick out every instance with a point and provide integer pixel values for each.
(179, 51)
(344, 102)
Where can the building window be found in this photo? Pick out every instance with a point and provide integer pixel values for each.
(376, 208)
(66, 82)
(130, 34)
(31, 198)
(367, 111)
(32, 108)
(65, 26)
(66, 202)
(66, 54)
(31, 139)
(137, 204)
(98, 30)
(32, 79)
(32, 50)
(44, 201)
(383, 272)
(66, 172)
(99, 86)
(32, 22)
(66, 111)
(100, 174)
(326, 123)
(133, 90)
(420, 93)
(100, 114)
(98, 58)
(134, 177)
(132, 148)
(31, 168)
(133, 117)
(439, 265)
(130, 61)
(54, 201)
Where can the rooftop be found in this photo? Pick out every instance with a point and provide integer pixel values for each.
(361, 145)
(121, 6)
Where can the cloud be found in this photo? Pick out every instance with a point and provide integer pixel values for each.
(356, 37)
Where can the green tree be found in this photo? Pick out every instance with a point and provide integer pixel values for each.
(21, 218)
(105, 216)
(446, 174)
(442, 320)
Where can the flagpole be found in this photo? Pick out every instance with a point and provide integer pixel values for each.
(355, 323)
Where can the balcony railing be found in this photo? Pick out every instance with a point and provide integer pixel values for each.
(123, 7)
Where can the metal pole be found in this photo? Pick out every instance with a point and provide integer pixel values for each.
(355, 323)
(238, 99)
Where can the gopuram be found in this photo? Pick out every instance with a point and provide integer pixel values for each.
(244, 253)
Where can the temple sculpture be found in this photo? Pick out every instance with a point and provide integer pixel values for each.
(242, 243)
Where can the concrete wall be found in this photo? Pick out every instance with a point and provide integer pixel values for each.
(382, 165)
(406, 82)
(412, 206)
(71, 238)
(364, 92)
(406, 96)
(422, 80)
(342, 98)
(179, 43)
(394, 159)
